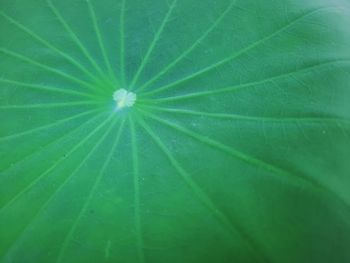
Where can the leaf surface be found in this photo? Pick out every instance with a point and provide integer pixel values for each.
(236, 149)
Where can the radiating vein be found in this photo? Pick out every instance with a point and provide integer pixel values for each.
(74, 37)
(49, 45)
(341, 127)
(47, 126)
(250, 118)
(122, 42)
(153, 44)
(229, 223)
(246, 158)
(47, 68)
(61, 186)
(248, 84)
(48, 105)
(67, 238)
(190, 49)
(54, 165)
(99, 39)
(137, 212)
(59, 138)
(91, 193)
(46, 88)
(235, 55)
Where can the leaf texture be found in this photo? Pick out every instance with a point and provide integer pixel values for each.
(236, 148)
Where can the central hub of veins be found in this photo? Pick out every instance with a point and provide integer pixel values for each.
(124, 98)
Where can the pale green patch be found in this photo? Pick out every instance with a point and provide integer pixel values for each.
(124, 98)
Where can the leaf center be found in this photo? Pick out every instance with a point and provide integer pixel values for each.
(124, 98)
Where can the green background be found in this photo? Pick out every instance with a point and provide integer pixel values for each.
(237, 149)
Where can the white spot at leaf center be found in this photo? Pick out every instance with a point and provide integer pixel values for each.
(124, 98)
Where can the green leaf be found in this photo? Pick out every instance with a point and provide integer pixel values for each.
(236, 148)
